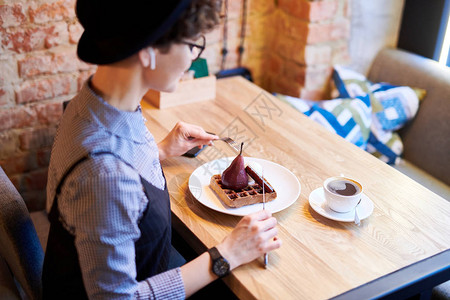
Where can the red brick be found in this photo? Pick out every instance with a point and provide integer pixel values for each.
(322, 10)
(17, 117)
(290, 49)
(256, 66)
(58, 35)
(298, 52)
(260, 7)
(36, 180)
(257, 27)
(49, 113)
(19, 164)
(6, 96)
(62, 85)
(275, 65)
(31, 91)
(34, 200)
(32, 188)
(75, 31)
(310, 10)
(56, 11)
(30, 66)
(5, 117)
(296, 28)
(34, 38)
(255, 49)
(62, 61)
(68, 61)
(17, 182)
(297, 8)
(37, 138)
(340, 29)
(43, 157)
(9, 141)
(325, 32)
(8, 67)
(295, 72)
(262, 82)
(11, 15)
(23, 116)
(285, 86)
(318, 33)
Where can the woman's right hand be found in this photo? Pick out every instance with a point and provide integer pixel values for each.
(253, 236)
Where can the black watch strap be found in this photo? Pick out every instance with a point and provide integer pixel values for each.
(215, 254)
(220, 265)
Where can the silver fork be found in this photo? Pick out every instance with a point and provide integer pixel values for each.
(229, 141)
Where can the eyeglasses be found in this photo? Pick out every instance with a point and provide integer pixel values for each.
(199, 47)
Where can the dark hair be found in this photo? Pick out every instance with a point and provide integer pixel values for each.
(201, 16)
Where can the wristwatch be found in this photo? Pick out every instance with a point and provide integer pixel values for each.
(220, 267)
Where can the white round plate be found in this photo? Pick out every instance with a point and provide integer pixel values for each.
(282, 180)
(318, 203)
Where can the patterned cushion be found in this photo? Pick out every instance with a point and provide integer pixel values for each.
(386, 145)
(349, 118)
(365, 114)
(349, 83)
(392, 107)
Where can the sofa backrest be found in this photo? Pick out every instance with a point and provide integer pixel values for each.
(427, 137)
(19, 244)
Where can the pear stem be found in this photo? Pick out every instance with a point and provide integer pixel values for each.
(242, 146)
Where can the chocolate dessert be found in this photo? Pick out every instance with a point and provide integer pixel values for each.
(251, 194)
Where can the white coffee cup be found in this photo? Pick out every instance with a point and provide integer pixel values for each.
(342, 194)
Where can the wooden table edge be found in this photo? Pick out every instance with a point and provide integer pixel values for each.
(415, 279)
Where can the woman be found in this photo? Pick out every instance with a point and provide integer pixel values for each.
(107, 196)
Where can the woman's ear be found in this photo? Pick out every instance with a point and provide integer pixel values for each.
(148, 58)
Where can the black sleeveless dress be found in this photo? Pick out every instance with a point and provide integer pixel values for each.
(62, 274)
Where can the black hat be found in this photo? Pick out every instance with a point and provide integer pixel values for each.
(114, 30)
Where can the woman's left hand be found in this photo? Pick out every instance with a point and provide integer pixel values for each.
(182, 138)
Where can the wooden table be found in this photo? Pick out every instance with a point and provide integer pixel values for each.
(319, 258)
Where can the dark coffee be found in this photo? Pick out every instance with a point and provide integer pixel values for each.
(343, 187)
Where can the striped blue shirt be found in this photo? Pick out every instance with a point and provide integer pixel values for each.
(102, 199)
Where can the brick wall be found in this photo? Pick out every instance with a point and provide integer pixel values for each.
(38, 71)
(290, 48)
(290, 45)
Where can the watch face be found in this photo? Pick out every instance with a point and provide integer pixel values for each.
(221, 267)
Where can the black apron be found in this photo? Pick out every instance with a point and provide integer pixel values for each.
(61, 276)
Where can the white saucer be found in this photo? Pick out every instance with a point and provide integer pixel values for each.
(318, 203)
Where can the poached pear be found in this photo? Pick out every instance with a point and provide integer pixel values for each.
(235, 176)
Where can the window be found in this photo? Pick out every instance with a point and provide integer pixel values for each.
(425, 29)
(444, 57)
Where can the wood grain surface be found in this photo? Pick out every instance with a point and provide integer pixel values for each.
(319, 258)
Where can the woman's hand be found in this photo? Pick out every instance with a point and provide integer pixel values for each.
(182, 138)
(253, 236)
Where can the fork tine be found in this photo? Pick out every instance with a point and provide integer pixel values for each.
(230, 143)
